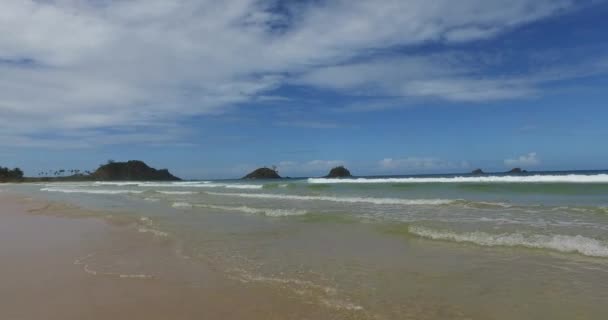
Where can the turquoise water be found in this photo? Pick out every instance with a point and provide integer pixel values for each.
(380, 246)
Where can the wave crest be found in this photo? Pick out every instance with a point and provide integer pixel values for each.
(562, 243)
(337, 199)
(266, 212)
(570, 178)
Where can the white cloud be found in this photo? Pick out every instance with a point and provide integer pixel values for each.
(74, 65)
(529, 160)
(309, 124)
(450, 76)
(313, 167)
(420, 164)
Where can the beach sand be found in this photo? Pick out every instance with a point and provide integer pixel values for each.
(57, 267)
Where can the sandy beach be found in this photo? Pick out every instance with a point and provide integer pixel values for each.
(58, 267)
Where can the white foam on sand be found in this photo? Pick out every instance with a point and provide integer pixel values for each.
(182, 205)
(91, 191)
(250, 210)
(87, 268)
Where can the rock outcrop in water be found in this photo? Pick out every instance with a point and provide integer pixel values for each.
(477, 172)
(133, 170)
(338, 172)
(263, 173)
(516, 171)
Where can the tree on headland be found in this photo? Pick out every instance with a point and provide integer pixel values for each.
(10, 175)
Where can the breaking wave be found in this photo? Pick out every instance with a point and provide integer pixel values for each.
(562, 243)
(570, 178)
(183, 205)
(176, 192)
(187, 184)
(337, 199)
(266, 212)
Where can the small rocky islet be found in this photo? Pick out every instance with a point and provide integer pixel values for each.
(478, 172)
(339, 172)
(263, 173)
(516, 171)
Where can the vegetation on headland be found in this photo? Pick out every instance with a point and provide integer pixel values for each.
(133, 170)
(7, 174)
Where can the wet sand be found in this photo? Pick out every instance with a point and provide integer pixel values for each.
(57, 267)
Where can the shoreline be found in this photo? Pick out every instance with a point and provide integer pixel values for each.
(82, 266)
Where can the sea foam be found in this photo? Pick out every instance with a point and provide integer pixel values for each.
(563, 243)
(264, 211)
(186, 184)
(570, 178)
(176, 192)
(337, 199)
(90, 191)
(183, 205)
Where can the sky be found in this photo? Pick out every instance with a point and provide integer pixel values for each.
(214, 89)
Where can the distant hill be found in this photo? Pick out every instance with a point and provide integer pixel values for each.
(133, 170)
(263, 173)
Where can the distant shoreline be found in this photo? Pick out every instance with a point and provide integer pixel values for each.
(418, 175)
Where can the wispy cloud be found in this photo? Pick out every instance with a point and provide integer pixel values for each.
(450, 76)
(85, 65)
(308, 124)
(312, 167)
(420, 164)
(528, 160)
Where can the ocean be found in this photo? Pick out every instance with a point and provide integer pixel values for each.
(424, 247)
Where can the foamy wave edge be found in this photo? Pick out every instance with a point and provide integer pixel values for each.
(250, 210)
(571, 178)
(562, 243)
(90, 191)
(187, 184)
(393, 201)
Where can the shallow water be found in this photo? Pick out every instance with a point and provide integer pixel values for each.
(435, 247)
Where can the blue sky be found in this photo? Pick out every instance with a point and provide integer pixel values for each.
(213, 89)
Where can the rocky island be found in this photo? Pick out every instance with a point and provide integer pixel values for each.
(477, 172)
(516, 171)
(263, 173)
(338, 172)
(133, 170)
